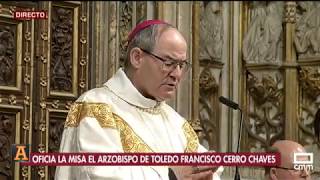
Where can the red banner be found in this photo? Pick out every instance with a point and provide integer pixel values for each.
(153, 159)
(27, 15)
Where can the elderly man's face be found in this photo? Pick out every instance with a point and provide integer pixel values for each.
(157, 82)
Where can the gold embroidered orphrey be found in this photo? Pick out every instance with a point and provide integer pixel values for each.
(131, 142)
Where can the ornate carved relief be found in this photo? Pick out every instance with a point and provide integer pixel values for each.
(61, 47)
(309, 79)
(211, 31)
(290, 12)
(207, 83)
(125, 26)
(7, 138)
(12, 99)
(307, 39)
(309, 82)
(265, 114)
(208, 112)
(68, 72)
(55, 133)
(263, 41)
(7, 55)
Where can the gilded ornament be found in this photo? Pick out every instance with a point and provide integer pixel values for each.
(83, 40)
(55, 104)
(27, 78)
(83, 61)
(44, 36)
(82, 84)
(27, 59)
(43, 105)
(43, 81)
(41, 148)
(290, 12)
(24, 171)
(83, 19)
(42, 127)
(43, 59)
(27, 36)
(26, 124)
(26, 100)
(41, 171)
(12, 99)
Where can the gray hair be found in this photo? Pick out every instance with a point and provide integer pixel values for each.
(146, 39)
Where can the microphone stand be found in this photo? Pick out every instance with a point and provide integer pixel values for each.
(237, 174)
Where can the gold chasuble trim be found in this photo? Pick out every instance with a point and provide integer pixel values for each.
(102, 112)
(192, 138)
(131, 142)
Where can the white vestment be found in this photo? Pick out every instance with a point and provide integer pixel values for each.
(117, 118)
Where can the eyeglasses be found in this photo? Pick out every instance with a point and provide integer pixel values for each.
(295, 171)
(169, 65)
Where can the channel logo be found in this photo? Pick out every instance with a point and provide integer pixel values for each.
(303, 161)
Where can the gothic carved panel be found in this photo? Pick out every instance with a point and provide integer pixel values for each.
(10, 54)
(211, 31)
(262, 42)
(265, 122)
(16, 76)
(56, 125)
(208, 109)
(307, 36)
(7, 138)
(61, 49)
(7, 55)
(68, 76)
(309, 82)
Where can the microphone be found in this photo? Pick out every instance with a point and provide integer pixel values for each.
(235, 106)
(229, 103)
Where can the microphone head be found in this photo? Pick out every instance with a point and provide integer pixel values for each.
(228, 102)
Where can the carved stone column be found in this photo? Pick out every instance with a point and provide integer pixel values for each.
(195, 65)
(290, 74)
(104, 46)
